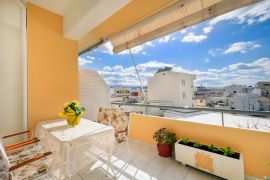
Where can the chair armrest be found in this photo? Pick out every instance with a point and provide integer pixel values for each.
(16, 134)
(29, 161)
(21, 144)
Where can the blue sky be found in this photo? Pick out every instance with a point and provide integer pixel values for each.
(233, 48)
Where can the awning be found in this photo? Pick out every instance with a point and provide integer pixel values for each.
(178, 16)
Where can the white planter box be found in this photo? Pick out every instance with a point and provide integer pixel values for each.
(219, 165)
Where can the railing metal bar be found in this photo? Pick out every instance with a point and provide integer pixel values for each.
(236, 111)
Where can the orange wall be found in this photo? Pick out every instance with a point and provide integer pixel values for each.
(52, 65)
(254, 145)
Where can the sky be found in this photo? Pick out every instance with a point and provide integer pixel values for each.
(233, 48)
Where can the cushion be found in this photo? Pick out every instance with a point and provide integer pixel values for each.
(120, 121)
(31, 171)
(104, 116)
(4, 164)
(22, 153)
(116, 118)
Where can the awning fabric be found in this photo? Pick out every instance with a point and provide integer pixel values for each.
(178, 16)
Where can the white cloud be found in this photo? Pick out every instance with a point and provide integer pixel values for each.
(107, 48)
(239, 73)
(90, 57)
(207, 60)
(191, 37)
(139, 49)
(255, 13)
(83, 61)
(207, 29)
(214, 52)
(241, 47)
(263, 64)
(183, 31)
(107, 68)
(165, 39)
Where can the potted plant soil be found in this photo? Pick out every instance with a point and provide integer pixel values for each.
(165, 141)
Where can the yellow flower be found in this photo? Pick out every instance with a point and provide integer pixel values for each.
(76, 103)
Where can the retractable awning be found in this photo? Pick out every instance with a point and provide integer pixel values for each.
(177, 16)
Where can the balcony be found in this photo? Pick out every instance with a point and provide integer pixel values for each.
(144, 164)
(39, 73)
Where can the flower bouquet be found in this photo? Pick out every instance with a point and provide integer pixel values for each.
(73, 113)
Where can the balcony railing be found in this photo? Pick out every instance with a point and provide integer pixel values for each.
(261, 114)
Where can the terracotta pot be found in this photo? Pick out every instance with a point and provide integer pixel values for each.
(164, 150)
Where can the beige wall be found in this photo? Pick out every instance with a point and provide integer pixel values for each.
(52, 65)
(254, 145)
(11, 66)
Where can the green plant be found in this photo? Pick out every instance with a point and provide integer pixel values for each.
(72, 109)
(213, 148)
(185, 141)
(197, 144)
(164, 137)
(226, 151)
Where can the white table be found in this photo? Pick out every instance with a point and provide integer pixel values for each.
(76, 147)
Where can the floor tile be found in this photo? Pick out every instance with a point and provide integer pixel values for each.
(160, 163)
(194, 174)
(177, 170)
(144, 164)
(146, 157)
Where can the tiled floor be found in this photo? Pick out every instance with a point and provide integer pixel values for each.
(144, 164)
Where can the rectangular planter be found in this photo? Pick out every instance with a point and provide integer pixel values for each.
(219, 165)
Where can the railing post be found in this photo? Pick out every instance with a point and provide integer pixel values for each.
(222, 118)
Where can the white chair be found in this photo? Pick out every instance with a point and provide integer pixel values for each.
(119, 120)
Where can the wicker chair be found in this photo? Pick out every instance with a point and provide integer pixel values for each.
(23, 160)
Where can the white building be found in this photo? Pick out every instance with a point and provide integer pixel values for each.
(174, 87)
(244, 101)
(264, 103)
(235, 89)
(263, 88)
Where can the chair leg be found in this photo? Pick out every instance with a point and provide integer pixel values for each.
(109, 164)
(127, 143)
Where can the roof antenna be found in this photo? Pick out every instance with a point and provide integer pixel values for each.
(137, 72)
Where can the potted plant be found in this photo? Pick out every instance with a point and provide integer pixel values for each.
(73, 112)
(165, 141)
(210, 158)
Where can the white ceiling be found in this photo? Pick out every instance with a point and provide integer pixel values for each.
(81, 16)
(56, 6)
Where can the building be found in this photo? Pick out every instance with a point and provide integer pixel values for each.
(244, 101)
(235, 89)
(263, 88)
(201, 91)
(174, 87)
(200, 101)
(264, 103)
(121, 91)
(39, 73)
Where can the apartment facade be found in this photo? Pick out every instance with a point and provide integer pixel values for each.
(174, 87)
